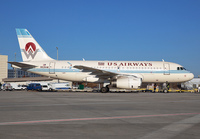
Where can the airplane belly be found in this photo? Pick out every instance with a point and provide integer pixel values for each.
(75, 76)
(161, 78)
(69, 76)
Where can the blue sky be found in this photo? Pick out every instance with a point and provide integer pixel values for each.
(106, 29)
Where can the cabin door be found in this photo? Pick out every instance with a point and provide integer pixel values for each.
(166, 68)
(52, 67)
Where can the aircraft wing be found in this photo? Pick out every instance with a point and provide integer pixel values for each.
(100, 73)
(22, 65)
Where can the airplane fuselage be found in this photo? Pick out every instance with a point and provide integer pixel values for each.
(149, 71)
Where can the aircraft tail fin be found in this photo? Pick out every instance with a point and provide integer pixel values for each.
(30, 49)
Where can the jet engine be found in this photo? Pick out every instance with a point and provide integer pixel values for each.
(127, 82)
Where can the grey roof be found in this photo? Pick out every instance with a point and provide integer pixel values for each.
(27, 79)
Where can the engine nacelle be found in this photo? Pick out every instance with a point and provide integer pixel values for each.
(127, 82)
(91, 79)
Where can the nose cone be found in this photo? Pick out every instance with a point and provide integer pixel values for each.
(190, 76)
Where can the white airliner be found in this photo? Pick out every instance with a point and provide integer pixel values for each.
(119, 74)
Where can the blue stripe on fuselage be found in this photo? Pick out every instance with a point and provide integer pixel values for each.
(115, 71)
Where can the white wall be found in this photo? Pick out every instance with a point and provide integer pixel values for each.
(3, 67)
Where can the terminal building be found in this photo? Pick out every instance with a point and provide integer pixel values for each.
(18, 73)
(3, 67)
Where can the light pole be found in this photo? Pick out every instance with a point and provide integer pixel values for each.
(15, 68)
(57, 52)
(57, 59)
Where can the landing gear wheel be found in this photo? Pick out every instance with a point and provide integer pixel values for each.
(165, 91)
(104, 89)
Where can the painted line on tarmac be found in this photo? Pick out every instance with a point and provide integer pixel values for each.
(174, 129)
(87, 103)
(90, 119)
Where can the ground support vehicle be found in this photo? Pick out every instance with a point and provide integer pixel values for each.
(6, 87)
(16, 86)
(59, 86)
(34, 86)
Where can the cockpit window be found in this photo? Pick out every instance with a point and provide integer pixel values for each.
(181, 68)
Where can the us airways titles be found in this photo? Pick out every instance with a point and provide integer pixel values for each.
(142, 64)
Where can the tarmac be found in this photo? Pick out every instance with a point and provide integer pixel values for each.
(81, 115)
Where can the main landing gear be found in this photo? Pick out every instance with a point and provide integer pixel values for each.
(105, 89)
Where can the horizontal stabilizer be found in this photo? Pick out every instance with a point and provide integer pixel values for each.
(22, 65)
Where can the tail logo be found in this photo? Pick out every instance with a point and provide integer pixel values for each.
(30, 50)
